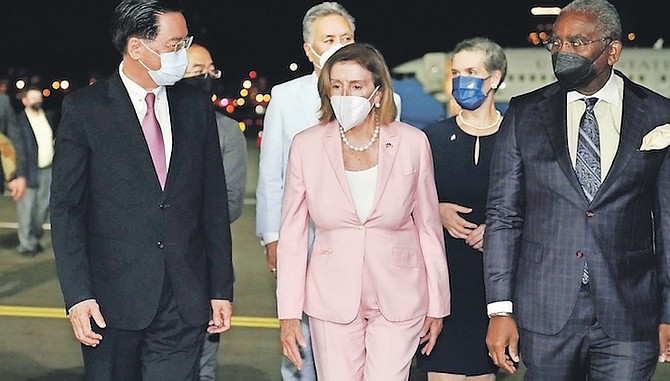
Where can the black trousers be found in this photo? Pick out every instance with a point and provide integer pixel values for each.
(168, 349)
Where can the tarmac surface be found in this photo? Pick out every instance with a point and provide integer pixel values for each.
(36, 341)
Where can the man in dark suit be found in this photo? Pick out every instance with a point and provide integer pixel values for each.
(36, 126)
(578, 215)
(140, 222)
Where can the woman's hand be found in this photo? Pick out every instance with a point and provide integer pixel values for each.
(457, 226)
(429, 332)
(291, 337)
(476, 238)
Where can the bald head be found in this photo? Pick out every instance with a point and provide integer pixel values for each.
(200, 63)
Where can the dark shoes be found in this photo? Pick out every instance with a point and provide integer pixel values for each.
(30, 252)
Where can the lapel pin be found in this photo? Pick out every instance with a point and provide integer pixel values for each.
(453, 137)
(389, 145)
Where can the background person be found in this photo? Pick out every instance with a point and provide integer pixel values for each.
(366, 181)
(9, 127)
(202, 74)
(37, 136)
(140, 224)
(577, 268)
(462, 146)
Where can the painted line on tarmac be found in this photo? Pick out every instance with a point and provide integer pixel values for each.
(59, 313)
(15, 225)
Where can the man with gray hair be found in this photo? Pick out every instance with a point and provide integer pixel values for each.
(326, 27)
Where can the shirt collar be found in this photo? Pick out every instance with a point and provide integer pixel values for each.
(611, 92)
(136, 91)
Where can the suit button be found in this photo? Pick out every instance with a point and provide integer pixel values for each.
(360, 227)
(160, 244)
(164, 206)
(589, 213)
(579, 254)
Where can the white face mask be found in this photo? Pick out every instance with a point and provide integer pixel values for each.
(173, 67)
(351, 110)
(323, 57)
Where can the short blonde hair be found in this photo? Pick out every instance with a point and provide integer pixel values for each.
(372, 60)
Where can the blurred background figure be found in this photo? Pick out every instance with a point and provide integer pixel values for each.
(326, 27)
(37, 137)
(202, 73)
(462, 146)
(16, 182)
(376, 286)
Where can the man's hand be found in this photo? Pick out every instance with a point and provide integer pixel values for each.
(80, 317)
(476, 238)
(457, 226)
(271, 256)
(291, 337)
(502, 334)
(429, 332)
(664, 342)
(222, 312)
(17, 187)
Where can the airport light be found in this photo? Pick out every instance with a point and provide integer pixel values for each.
(293, 66)
(20, 84)
(545, 11)
(246, 84)
(64, 84)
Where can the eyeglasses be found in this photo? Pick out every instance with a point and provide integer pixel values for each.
(553, 44)
(212, 73)
(183, 44)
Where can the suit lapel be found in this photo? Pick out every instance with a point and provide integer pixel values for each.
(179, 117)
(129, 132)
(634, 118)
(552, 112)
(333, 149)
(389, 141)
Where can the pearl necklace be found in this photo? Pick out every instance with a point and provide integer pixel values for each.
(364, 147)
(498, 117)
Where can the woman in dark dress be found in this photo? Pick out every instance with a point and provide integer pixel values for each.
(462, 147)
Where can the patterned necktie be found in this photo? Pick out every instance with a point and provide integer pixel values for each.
(587, 165)
(154, 138)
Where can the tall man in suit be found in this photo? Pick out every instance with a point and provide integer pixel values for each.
(140, 222)
(36, 128)
(294, 107)
(578, 218)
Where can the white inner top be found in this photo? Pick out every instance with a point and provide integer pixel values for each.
(362, 185)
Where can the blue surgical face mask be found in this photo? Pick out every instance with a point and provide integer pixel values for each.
(173, 67)
(468, 91)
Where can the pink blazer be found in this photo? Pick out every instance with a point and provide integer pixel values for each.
(401, 240)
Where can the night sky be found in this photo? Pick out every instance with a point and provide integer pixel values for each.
(69, 38)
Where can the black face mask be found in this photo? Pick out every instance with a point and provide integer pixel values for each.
(574, 71)
(205, 84)
(37, 106)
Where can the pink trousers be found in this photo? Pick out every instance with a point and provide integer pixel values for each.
(370, 348)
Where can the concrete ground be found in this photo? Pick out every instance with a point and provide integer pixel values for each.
(36, 342)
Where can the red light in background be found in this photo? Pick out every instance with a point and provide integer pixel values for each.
(252, 74)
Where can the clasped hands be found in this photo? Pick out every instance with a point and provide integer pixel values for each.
(460, 228)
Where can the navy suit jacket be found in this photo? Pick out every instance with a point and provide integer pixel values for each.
(115, 233)
(541, 227)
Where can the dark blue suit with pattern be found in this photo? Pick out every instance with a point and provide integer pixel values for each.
(541, 227)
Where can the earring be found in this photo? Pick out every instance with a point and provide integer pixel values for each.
(494, 86)
(378, 105)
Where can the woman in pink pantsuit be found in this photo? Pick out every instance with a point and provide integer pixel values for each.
(376, 285)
